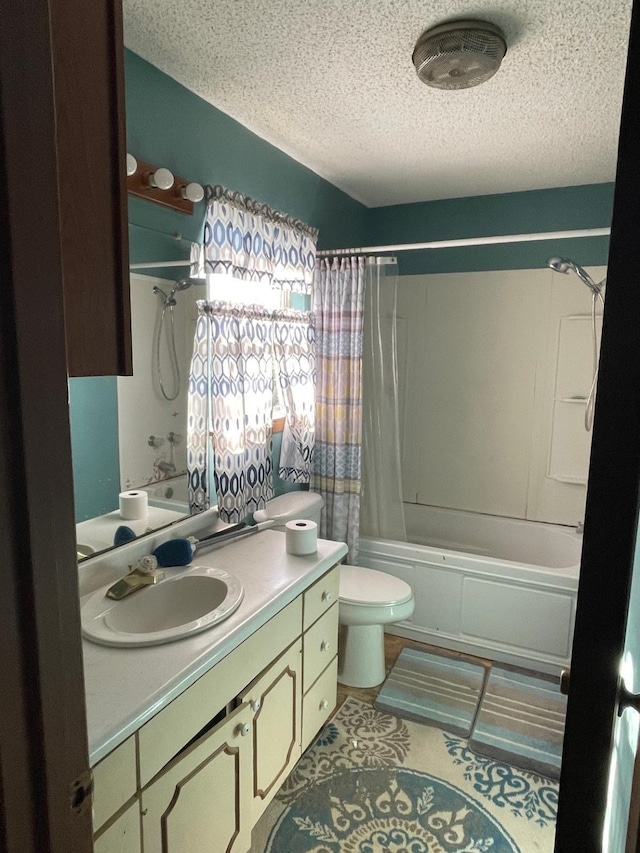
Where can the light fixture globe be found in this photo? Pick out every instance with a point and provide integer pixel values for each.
(459, 54)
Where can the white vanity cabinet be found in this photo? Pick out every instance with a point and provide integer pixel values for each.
(116, 809)
(200, 773)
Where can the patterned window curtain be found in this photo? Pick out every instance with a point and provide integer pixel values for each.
(338, 309)
(199, 416)
(252, 242)
(230, 385)
(294, 350)
(238, 366)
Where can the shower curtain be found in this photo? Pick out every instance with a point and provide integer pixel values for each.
(338, 295)
(382, 508)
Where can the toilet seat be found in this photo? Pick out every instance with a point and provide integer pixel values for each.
(369, 588)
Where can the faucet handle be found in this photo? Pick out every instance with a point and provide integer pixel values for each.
(145, 565)
(154, 441)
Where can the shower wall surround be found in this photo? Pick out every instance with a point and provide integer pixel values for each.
(489, 364)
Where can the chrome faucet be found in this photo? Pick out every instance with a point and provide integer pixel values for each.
(166, 467)
(143, 573)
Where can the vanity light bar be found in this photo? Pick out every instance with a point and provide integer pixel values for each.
(158, 184)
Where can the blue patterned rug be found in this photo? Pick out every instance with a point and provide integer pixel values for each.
(373, 783)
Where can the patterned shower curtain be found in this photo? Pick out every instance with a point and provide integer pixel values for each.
(338, 302)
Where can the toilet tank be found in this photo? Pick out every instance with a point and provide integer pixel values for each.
(289, 506)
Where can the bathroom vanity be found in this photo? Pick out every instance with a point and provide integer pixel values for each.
(190, 740)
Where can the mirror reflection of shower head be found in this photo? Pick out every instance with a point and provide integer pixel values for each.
(564, 265)
(184, 283)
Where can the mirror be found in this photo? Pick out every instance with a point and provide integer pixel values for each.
(130, 433)
(125, 434)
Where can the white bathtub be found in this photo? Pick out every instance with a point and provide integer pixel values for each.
(498, 588)
(169, 494)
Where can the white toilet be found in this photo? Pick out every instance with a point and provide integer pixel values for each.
(368, 599)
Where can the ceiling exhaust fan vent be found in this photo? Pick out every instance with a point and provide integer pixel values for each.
(459, 54)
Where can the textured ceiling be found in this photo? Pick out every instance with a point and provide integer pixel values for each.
(332, 84)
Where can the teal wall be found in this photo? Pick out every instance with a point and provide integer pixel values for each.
(563, 209)
(170, 126)
(93, 404)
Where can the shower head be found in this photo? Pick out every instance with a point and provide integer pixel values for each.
(184, 283)
(564, 265)
(558, 264)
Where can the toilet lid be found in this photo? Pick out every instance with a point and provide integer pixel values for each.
(288, 506)
(366, 586)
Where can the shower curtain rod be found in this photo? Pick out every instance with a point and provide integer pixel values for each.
(152, 264)
(470, 241)
(433, 244)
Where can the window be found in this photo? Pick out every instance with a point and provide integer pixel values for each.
(227, 288)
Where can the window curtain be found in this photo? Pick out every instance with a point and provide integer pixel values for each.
(382, 510)
(199, 416)
(338, 300)
(230, 404)
(237, 381)
(230, 384)
(294, 350)
(250, 241)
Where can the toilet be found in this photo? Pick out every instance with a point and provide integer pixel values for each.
(368, 599)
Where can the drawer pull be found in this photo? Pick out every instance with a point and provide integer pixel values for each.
(255, 705)
(323, 705)
(325, 646)
(326, 596)
(243, 729)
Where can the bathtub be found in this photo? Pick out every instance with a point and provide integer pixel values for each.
(498, 588)
(169, 494)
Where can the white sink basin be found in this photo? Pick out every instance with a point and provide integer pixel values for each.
(184, 603)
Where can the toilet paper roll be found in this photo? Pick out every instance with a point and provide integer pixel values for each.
(302, 537)
(133, 504)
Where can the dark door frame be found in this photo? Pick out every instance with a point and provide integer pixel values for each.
(43, 735)
(611, 514)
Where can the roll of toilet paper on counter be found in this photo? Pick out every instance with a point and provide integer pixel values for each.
(302, 537)
(134, 504)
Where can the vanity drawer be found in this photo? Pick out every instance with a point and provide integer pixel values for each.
(321, 596)
(114, 782)
(320, 646)
(163, 736)
(319, 703)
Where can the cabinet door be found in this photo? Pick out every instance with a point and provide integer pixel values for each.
(275, 698)
(123, 836)
(201, 802)
(88, 56)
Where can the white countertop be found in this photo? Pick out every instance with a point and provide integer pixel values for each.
(125, 687)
